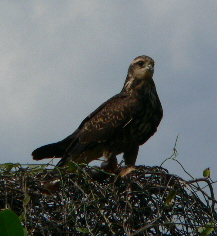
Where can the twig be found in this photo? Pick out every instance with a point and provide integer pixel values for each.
(210, 187)
(175, 152)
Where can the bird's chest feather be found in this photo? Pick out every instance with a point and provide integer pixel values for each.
(144, 124)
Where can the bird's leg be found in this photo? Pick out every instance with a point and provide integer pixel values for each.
(111, 163)
(130, 155)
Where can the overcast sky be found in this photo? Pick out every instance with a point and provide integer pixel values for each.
(61, 59)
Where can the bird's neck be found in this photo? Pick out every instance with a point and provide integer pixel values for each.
(134, 85)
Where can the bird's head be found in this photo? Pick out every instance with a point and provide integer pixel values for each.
(140, 72)
(142, 67)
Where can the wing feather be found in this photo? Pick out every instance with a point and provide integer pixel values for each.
(105, 121)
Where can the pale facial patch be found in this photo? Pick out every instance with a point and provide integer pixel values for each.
(129, 83)
(140, 73)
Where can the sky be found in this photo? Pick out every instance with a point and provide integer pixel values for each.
(61, 59)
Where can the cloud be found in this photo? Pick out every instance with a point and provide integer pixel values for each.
(59, 61)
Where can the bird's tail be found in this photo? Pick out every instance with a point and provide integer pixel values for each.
(63, 162)
(56, 150)
(73, 150)
(49, 151)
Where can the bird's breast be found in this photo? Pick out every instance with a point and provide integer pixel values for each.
(141, 127)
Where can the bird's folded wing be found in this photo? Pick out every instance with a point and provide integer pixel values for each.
(108, 119)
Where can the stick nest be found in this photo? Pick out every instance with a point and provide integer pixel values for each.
(140, 201)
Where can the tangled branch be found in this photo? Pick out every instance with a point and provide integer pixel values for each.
(141, 201)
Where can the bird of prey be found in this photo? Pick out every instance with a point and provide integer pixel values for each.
(119, 125)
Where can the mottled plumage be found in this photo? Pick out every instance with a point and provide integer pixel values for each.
(119, 125)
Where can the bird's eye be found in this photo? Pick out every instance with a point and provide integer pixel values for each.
(141, 63)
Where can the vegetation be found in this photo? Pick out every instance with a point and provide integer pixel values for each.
(10, 224)
(82, 200)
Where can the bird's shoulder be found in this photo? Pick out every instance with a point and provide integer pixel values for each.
(116, 107)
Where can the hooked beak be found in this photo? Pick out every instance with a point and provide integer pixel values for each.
(150, 68)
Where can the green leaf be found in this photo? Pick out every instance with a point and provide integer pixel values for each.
(206, 173)
(171, 196)
(73, 167)
(34, 167)
(10, 224)
(26, 199)
(7, 167)
(83, 230)
(22, 217)
(206, 230)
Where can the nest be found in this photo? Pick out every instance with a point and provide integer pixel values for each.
(140, 201)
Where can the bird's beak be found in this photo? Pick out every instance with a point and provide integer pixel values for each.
(150, 68)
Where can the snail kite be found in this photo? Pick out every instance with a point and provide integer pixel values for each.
(119, 125)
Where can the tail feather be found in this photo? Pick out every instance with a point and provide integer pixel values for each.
(73, 150)
(67, 149)
(57, 149)
(63, 162)
(49, 151)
